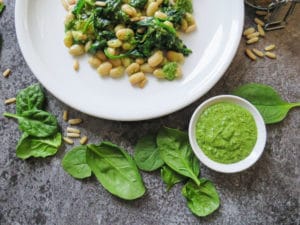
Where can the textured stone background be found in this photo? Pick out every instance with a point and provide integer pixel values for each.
(40, 192)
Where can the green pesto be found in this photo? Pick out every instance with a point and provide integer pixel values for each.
(226, 132)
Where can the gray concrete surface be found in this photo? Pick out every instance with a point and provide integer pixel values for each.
(38, 191)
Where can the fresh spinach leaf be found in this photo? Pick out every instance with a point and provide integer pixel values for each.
(115, 170)
(140, 4)
(36, 123)
(202, 200)
(74, 163)
(170, 177)
(30, 98)
(29, 146)
(268, 102)
(146, 154)
(176, 152)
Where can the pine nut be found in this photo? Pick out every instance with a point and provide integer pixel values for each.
(143, 83)
(87, 46)
(65, 115)
(116, 62)
(258, 52)
(124, 34)
(83, 140)
(261, 30)
(271, 55)
(140, 61)
(6, 73)
(127, 46)
(68, 140)
(168, 23)
(73, 130)
(111, 51)
(133, 68)
(152, 8)
(253, 35)
(116, 72)
(250, 54)
(114, 43)
(100, 3)
(184, 25)
(156, 59)
(252, 40)
(258, 21)
(248, 31)
(126, 62)
(100, 55)
(76, 50)
(175, 56)
(191, 28)
(146, 68)
(76, 65)
(190, 18)
(270, 47)
(10, 101)
(136, 78)
(94, 62)
(261, 13)
(119, 27)
(160, 15)
(129, 10)
(68, 39)
(104, 68)
(73, 135)
(75, 121)
(159, 73)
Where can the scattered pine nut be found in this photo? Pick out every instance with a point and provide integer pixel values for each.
(261, 30)
(6, 72)
(143, 83)
(270, 47)
(76, 65)
(73, 135)
(252, 40)
(65, 115)
(271, 55)
(253, 35)
(258, 52)
(83, 140)
(250, 54)
(259, 21)
(100, 3)
(73, 130)
(248, 31)
(190, 28)
(75, 121)
(68, 140)
(261, 13)
(10, 101)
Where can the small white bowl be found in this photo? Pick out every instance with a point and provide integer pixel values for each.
(256, 151)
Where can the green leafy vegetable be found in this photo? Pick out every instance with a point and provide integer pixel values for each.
(140, 4)
(202, 200)
(170, 177)
(186, 5)
(36, 123)
(146, 154)
(74, 163)
(2, 7)
(268, 102)
(30, 98)
(115, 170)
(29, 146)
(176, 152)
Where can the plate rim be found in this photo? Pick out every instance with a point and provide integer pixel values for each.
(219, 73)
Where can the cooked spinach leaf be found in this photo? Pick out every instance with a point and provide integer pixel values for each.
(146, 154)
(115, 170)
(202, 200)
(36, 123)
(140, 4)
(2, 7)
(186, 5)
(30, 98)
(170, 177)
(74, 163)
(268, 102)
(29, 146)
(176, 152)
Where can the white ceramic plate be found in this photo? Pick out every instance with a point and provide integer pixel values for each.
(40, 32)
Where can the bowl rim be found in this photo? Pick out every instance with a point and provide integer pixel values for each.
(257, 149)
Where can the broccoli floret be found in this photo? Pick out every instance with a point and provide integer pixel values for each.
(170, 70)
